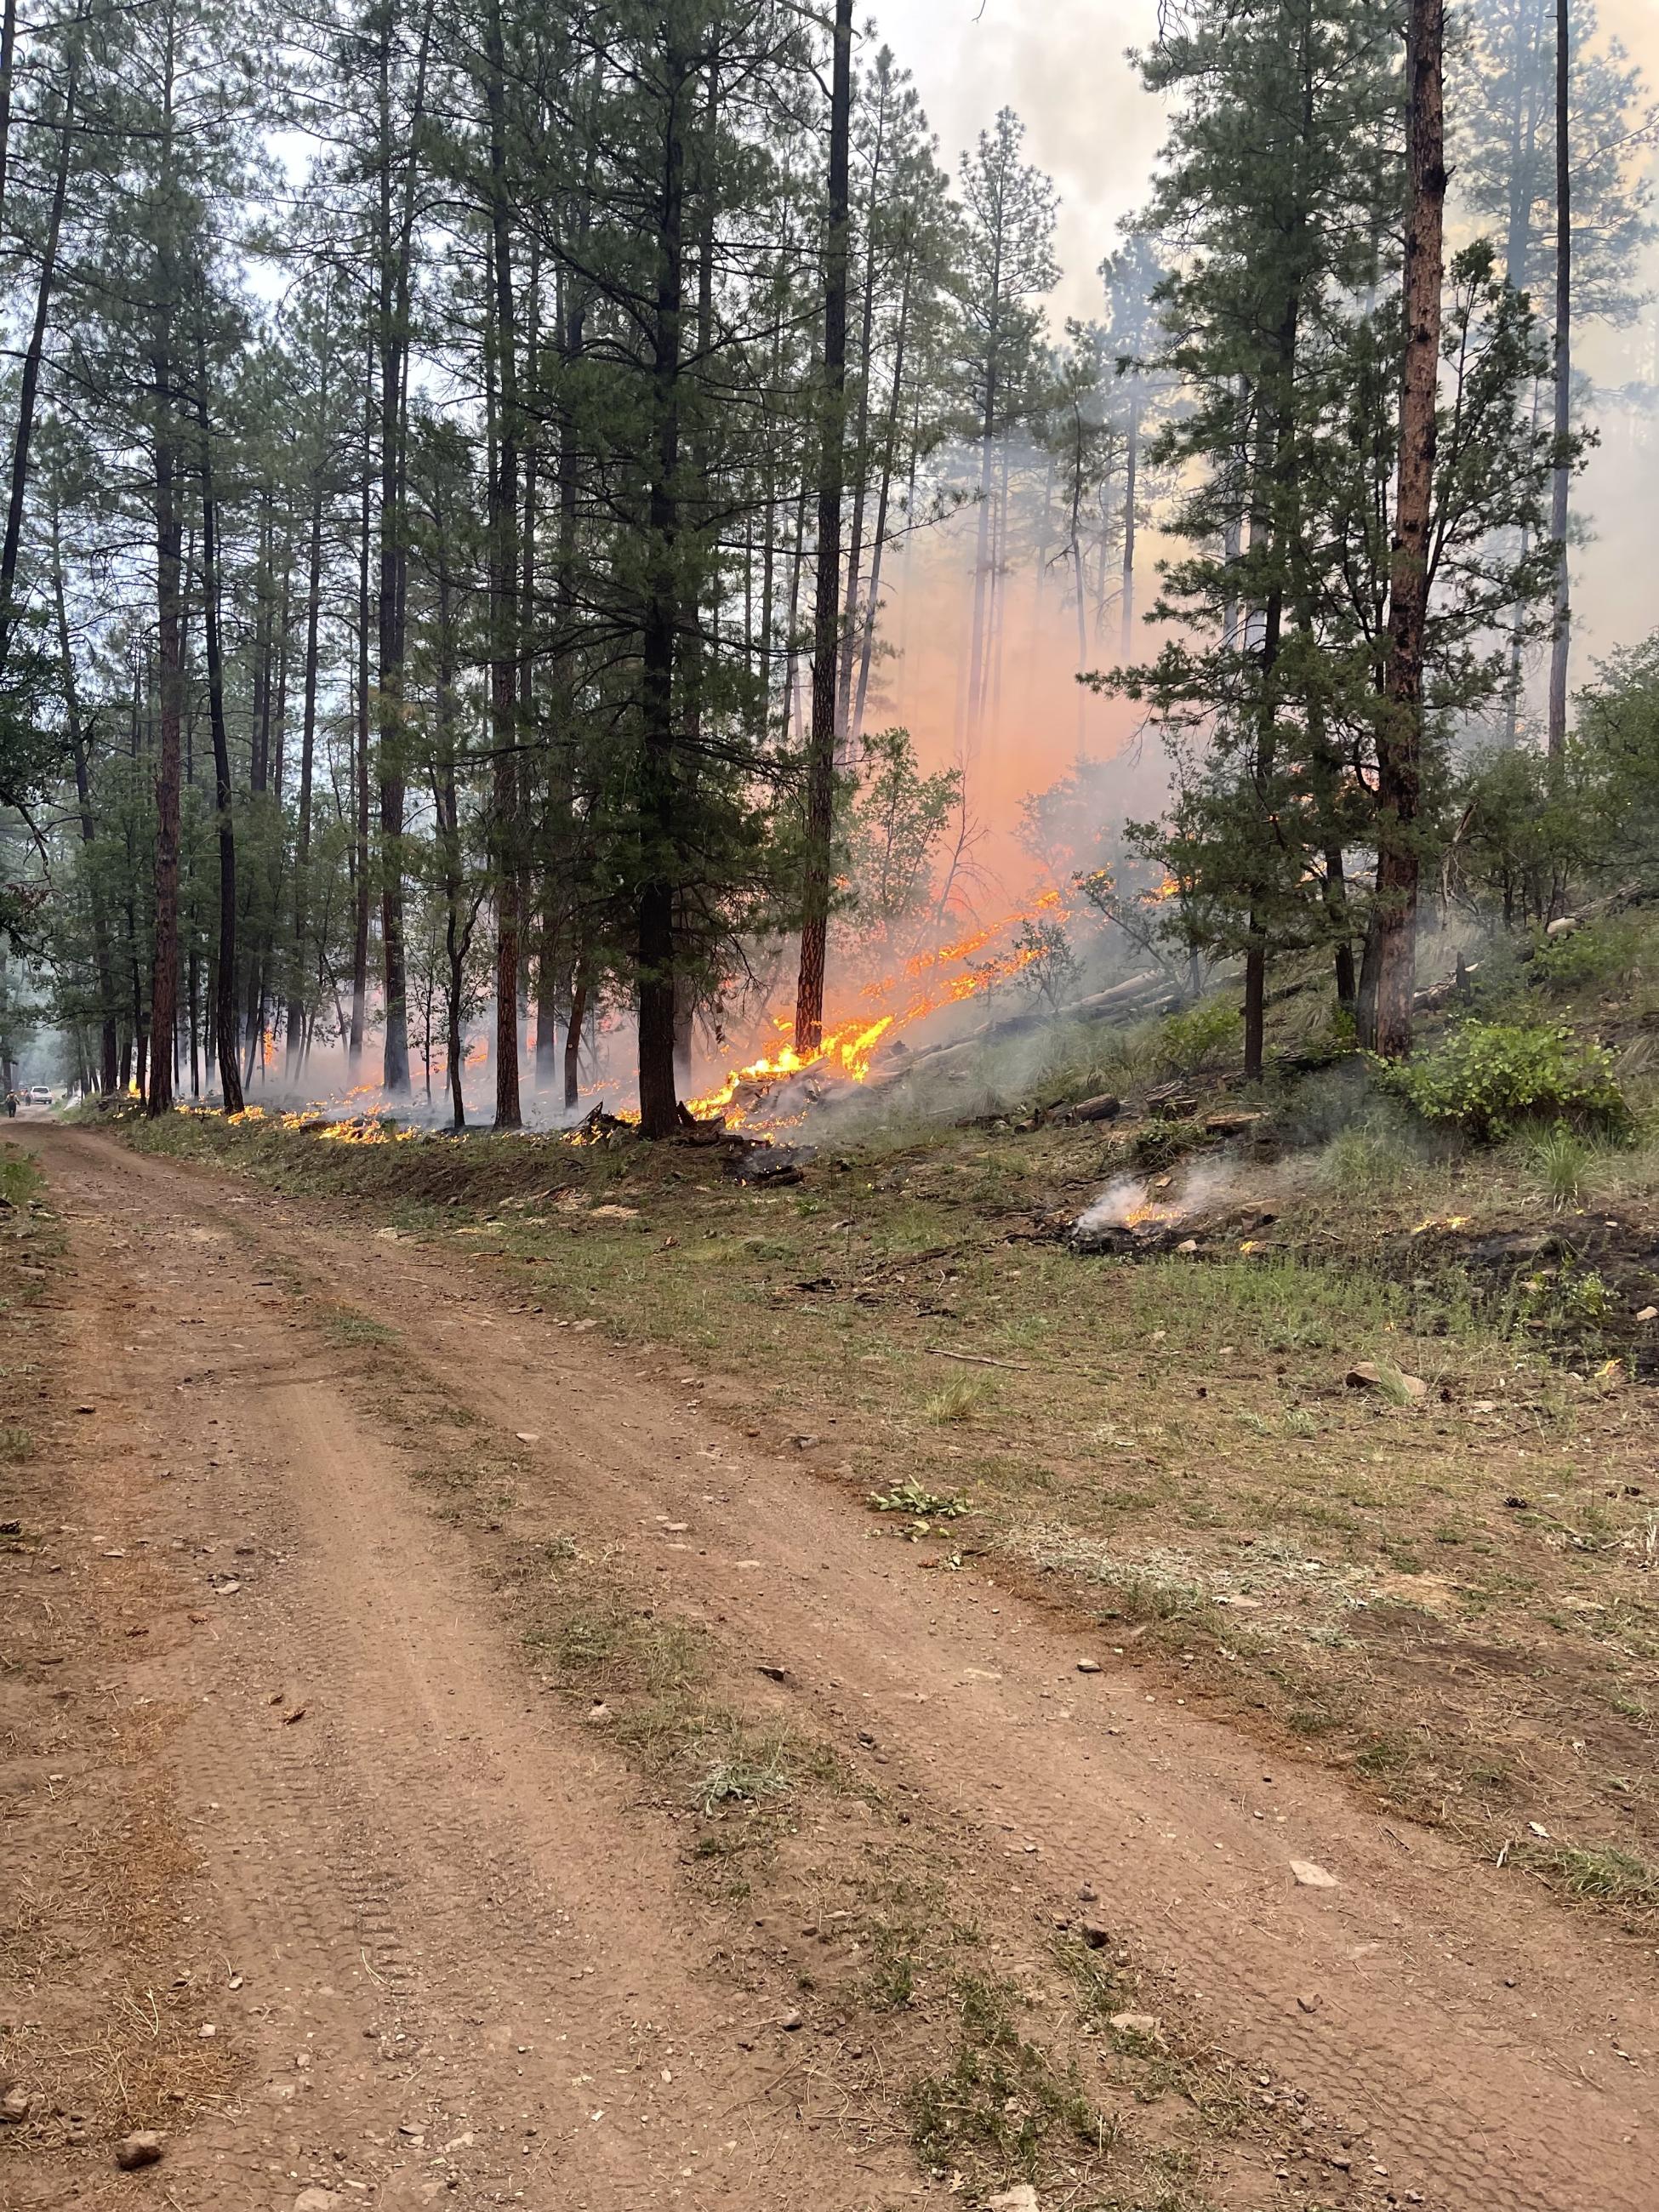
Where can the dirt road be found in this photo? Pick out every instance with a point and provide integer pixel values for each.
(457, 1946)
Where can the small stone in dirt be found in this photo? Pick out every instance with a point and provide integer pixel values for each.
(1023, 2198)
(1368, 1375)
(1139, 2023)
(1649, 1313)
(773, 1673)
(1311, 1876)
(1096, 1935)
(595, 1714)
(806, 1444)
(315, 2200)
(133, 2151)
(528, 1435)
(16, 2106)
(791, 2022)
(1088, 1665)
(1309, 2003)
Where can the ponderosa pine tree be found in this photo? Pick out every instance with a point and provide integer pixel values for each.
(1009, 206)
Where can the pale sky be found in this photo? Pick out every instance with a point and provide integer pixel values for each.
(1060, 64)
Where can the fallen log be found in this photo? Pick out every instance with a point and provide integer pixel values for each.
(1104, 1109)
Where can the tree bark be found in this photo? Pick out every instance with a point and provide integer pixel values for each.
(361, 756)
(29, 381)
(1387, 1017)
(658, 1101)
(294, 1026)
(827, 640)
(169, 549)
(230, 1080)
(503, 595)
(103, 966)
(1561, 640)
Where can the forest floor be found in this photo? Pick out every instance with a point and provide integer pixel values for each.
(532, 1675)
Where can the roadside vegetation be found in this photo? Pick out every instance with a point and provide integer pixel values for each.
(1368, 1469)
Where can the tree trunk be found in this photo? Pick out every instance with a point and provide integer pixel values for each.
(102, 964)
(29, 382)
(1561, 642)
(861, 433)
(1400, 735)
(395, 245)
(230, 1081)
(503, 596)
(1131, 495)
(169, 549)
(573, 1038)
(294, 1023)
(8, 66)
(890, 455)
(360, 764)
(826, 642)
(659, 797)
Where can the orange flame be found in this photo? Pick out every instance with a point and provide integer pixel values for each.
(849, 1047)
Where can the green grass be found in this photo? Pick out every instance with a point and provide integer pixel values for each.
(1611, 1876)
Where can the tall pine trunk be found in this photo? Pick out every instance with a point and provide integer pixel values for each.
(826, 641)
(294, 1025)
(1561, 642)
(29, 381)
(659, 796)
(360, 765)
(166, 443)
(224, 1000)
(503, 595)
(1386, 1008)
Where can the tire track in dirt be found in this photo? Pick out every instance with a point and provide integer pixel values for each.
(1486, 2045)
(453, 1954)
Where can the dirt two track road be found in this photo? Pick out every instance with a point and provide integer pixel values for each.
(451, 1942)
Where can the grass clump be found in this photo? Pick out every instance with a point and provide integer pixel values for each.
(1606, 1875)
(959, 1400)
(1003, 2107)
(1562, 1164)
(1490, 1079)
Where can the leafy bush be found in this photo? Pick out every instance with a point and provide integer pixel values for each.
(1490, 1077)
(1584, 959)
(1204, 1033)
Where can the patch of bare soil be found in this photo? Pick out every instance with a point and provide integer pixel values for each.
(1022, 1918)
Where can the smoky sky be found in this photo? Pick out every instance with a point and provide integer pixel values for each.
(1062, 65)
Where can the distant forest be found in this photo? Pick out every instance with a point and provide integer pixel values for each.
(463, 456)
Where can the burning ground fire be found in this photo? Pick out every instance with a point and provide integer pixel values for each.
(924, 985)
(369, 1125)
(850, 1047)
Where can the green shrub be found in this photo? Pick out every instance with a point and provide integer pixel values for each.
(1204, 1033)
(1584, 959)
(1489, 1077)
